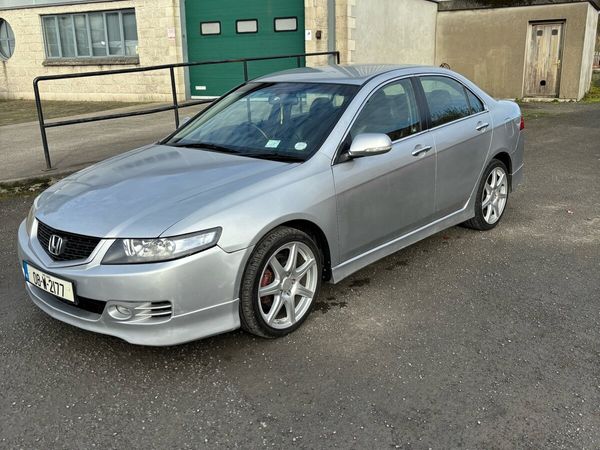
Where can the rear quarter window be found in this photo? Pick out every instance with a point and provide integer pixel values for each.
(474, 102)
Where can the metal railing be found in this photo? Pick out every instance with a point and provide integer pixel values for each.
(175, 105)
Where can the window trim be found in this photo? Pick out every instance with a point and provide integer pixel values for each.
(246, 20)
(211, 34)
(90, 56)
(275, 19)
(337, 158)
(425, 104)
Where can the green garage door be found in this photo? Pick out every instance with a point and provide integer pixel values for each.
(231, 29)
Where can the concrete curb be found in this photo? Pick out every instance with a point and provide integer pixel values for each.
(50, 178)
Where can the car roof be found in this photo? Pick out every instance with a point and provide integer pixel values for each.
(343, 74)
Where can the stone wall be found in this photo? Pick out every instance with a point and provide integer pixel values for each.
(315, 18)
(157, 22)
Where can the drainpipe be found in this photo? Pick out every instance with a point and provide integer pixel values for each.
(331, 29)
(184, 49)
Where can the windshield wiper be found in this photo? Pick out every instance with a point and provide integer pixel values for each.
(206, 146)
(224, 149)
(273, 156)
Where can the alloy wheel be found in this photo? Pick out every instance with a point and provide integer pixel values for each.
(495, 193)
(287, 285)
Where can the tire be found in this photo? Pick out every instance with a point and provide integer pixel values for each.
(492, 197)
(283, 303)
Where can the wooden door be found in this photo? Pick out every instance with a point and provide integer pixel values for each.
(544, 53)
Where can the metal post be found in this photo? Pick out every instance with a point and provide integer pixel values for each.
(245, 70)
(174, 91)
(38, 106)
(337, 56)
(299, 61)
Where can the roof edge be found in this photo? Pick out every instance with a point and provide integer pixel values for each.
(464, 5)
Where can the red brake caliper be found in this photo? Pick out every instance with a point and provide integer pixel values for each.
(267, 279)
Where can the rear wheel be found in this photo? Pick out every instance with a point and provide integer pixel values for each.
(492, 196)
(281, 283)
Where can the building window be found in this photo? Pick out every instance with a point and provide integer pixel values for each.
(246, 26)
(7, 40)
(97, 34)
(286, 24)
(208, 28)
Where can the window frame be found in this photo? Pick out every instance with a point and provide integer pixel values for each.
(11, 46)
(211, 34)
(246, 20)
(425, 105)
(416, 85)
(86, 15)
(275, 19)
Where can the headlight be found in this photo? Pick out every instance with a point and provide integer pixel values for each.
(30, 219)
(135, 251)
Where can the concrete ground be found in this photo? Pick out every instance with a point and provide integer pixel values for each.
(467, 339)
(73, 147)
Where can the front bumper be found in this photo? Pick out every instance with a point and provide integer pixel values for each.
(202, 290)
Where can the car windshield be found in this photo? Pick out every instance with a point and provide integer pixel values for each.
(281, 121)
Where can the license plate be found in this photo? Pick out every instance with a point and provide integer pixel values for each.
(55, 286)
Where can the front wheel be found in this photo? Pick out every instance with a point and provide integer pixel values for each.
(281, 283)
(492, 196)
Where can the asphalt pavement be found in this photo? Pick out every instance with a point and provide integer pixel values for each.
(464, 340)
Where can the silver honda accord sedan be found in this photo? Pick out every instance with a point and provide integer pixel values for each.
(290, 180)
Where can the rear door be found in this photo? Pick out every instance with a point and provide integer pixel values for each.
(462, 131)
(233, 29)
(382, 197)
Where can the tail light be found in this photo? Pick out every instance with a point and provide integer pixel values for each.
(522, 124)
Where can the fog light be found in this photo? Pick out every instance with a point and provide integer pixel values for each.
(120, 312)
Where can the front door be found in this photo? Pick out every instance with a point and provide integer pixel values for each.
(544, 54)
(233, 29)
(382, 197)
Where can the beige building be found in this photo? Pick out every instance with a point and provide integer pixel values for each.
(496, 47)
(542, 50)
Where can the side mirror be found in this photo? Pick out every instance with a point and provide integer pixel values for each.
(369, 144)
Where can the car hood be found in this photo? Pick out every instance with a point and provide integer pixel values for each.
(144, 192)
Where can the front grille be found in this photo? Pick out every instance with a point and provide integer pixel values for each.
(76, 246)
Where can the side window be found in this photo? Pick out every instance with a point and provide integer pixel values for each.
(285, 24)
(208, 28)
(246, 26)
(474, 102)
(391, 110)
(446, 99)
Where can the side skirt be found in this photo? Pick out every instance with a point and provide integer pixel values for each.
(347, 268)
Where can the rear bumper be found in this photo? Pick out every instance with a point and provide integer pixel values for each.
(202, 290)
(516, 177)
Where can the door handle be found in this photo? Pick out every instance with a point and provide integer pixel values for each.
(419, 149)
(482, 126)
